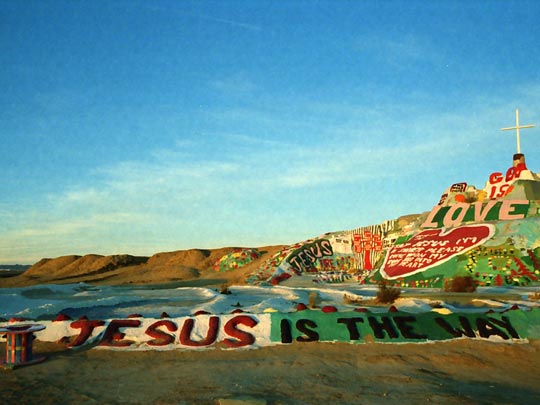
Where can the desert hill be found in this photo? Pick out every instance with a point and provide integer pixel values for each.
(181, 265)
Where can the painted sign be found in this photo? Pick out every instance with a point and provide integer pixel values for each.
(431, 248)
(205, 330)
(499, 185)
(304, 258)
(235, 331)
(366, 243)
(492, 210)
(311, 326)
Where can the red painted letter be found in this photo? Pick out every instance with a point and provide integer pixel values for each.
(243, 338)
(211, 335)
(495, 178)
(161, 338)
(87, 327)
(112, 335)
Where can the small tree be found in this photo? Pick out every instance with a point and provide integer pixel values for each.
(461, 284)
(387, 295)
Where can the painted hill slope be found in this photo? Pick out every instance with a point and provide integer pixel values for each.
(490, 234)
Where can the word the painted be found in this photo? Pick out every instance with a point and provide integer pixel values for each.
(492, 210)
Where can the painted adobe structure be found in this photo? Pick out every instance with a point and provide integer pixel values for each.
(491, 234)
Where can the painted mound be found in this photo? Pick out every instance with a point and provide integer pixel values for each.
(490, 234)
(238, 258)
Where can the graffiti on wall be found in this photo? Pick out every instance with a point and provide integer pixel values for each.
(425, 250)
(202, 331)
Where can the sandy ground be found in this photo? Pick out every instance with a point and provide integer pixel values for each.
(456, 372)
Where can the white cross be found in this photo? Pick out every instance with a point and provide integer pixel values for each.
(517, 128)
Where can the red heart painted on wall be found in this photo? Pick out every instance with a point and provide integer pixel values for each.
(431, 248)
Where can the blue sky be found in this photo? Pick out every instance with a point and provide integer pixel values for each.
(140, 127)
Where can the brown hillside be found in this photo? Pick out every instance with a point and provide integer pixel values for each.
(181, 265)
(50, 266)
(76, 265)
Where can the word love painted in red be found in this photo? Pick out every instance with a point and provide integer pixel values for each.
(431, 248)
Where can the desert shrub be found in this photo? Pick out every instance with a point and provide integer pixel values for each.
(461, 284)
(352, 300)
(535, 297)
(312, 300)
(386, 294)
(225, 289)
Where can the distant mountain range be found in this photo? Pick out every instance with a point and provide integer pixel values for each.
(14, 267)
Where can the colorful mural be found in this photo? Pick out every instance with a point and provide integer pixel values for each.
(236, 259)
(491, 235)
(246, 330)
(432, 248)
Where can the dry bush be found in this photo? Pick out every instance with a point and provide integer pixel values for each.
(387, 295)
(351, 300)
(461, 284)
(312, 300)
(225, 289)
(535, 297)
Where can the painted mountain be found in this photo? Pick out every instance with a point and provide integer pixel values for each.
(491, 234)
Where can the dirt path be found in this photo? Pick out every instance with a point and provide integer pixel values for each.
(454, 372)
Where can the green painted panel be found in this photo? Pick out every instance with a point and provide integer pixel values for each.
(400, 327)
